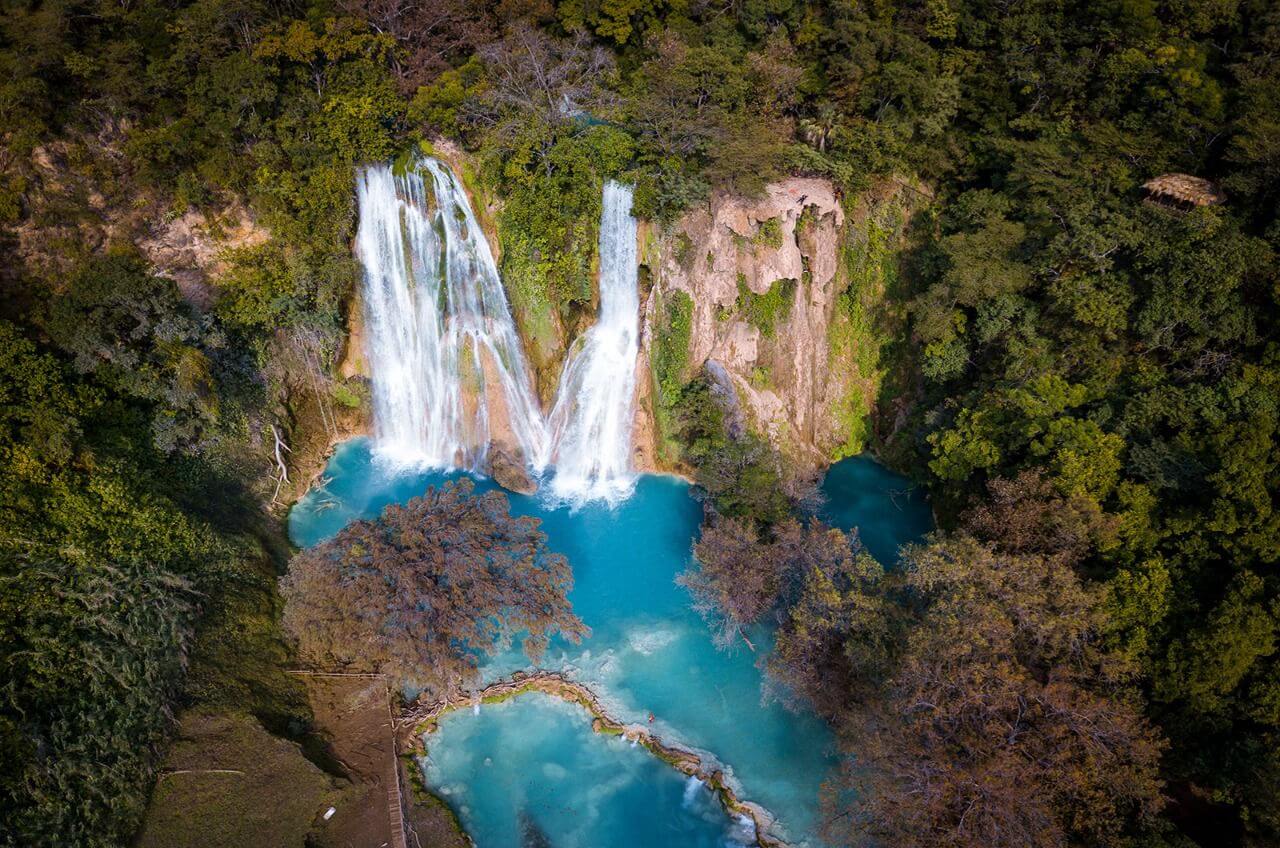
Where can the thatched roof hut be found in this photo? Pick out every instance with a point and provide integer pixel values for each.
(1183, 191)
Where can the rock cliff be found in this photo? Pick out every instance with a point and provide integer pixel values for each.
(786, 302)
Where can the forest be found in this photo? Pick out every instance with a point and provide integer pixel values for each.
(1087, 652)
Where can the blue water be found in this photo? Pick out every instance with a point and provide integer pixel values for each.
(887, 510)
(581, 789)
(648, 653)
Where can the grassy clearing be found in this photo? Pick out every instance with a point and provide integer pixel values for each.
(227, 781)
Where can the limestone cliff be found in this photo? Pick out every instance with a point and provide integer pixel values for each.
(786, 294)
(81, 191)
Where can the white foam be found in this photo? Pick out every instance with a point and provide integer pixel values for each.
(592, 417)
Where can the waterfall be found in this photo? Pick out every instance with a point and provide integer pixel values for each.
(439, 333)
(591, 421)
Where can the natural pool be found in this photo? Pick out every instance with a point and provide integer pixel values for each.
(533, 765)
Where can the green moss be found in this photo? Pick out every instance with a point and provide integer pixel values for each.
(420, 795)
(501, 697)
(766, 311)
(866, 318)
(343, 395)
(808, 218)
(664, 756)
(852, 415)
(470, 377)
(669, 362)
(684, 249)
(404, 162)
(769, 234)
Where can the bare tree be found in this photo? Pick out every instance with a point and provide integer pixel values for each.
(736, 580)
(429, 587)
(432, 34)
(742, 573)
(538, 80)
(1028, 515)
(1004, 720)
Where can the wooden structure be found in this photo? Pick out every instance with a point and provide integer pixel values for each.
(1183, 191)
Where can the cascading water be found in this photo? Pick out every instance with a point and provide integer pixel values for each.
(591, 421)
(438, 324)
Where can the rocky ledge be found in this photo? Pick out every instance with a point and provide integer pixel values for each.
(422, 718)
(508, 470)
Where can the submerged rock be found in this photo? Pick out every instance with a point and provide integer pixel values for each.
(531, 833)
(508, 470)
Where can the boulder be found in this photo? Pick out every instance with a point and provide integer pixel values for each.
(508, 470)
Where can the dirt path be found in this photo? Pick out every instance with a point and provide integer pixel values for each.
(354, 715)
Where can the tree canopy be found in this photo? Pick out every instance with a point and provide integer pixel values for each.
(428, 588)
(978, 700)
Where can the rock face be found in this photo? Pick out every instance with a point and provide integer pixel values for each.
(774, 321)
(90, 174)
(762, 277)
(508, 470)
(354, 361)
(189, 248)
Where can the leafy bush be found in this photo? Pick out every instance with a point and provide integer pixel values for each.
(766, 311)
(670, 355)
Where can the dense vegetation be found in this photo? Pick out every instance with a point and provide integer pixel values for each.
(989, 708)
(427, 589)
(137, 567)
(1096, 401)
(119, 528)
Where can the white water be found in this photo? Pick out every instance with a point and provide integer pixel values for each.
(438, 327)
(591, 421)
(436, 316)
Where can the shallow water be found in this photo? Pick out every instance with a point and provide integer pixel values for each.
(580, 789)
(648, 653)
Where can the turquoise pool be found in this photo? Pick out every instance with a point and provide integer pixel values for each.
(532, 768)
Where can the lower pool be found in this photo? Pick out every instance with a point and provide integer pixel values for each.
(531, 768)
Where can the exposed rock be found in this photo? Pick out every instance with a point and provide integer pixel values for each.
(508, 470)
(722, 388)
(644, 435)
(789, 384)
(501, 433)
(354, 361)
(190, 249)
(102, 203)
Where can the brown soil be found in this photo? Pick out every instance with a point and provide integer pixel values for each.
(352, 715)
